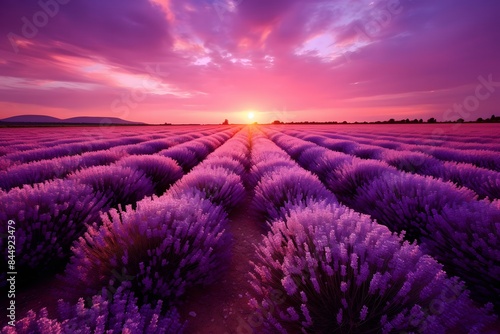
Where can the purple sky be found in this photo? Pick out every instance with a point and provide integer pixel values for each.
(185, 61)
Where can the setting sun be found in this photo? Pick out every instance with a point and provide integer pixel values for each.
(251, 115)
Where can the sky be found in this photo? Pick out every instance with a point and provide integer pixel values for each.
(203, 61)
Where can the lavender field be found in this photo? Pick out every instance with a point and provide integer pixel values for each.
(251, 229)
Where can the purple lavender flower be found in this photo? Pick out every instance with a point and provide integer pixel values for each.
(406, 201)
(40, 171)
(162, 171)
(260, 170)
(286, 188)
(346, 180)
(185, 157)
(411, 162)
(162, 248)
(228, 163)
(465, 240)
(484, 182)
(118, 313)
(218, 185)
(119, 185)
(48, 217)
(340, 272)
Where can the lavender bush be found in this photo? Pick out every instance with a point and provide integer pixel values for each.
(411, 162)
(118, 185)
(150, 147)
(484, 182)
(218, 185)
(261, 169)
(185, 158)
(118, 313)
(69, 149)
(164, 247)
(286, 188)
(406, 201)
(364, 151)
(162, 171)
(480, 158)
(346, 180)
(199, 149)
(344, 146)
(329, 269)
(225, 162)
(40, 171)
(49, 217)
(311, 157)
(465, 240)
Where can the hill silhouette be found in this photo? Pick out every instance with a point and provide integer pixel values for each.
(43, 119)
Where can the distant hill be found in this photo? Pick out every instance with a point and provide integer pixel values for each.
(42, 119)
(31, 119)
(97, 120)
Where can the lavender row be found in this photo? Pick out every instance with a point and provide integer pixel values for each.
(39, 171)
(47, 137)
(50, 216)
(44, 170)
(485, 182)
(180, 236)
(324, 268)
(280, 184)
(63, 150)
(193, 152)
(432, 137)
(167, 244)
(442, 217)
(118, 313)
(69, 149)
(126, 182)
(480, 158)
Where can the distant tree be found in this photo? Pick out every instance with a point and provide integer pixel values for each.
(277, 122)
(460, 120)
(226, 122)
(344, 122)
(479, 120)
(420, 120)
(431, 120)
(407, 120)
(392, 120)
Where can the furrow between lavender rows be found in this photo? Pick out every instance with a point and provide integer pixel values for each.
(152, 255)
(324, 267)
(69, 149)
(431, 137)
(484, 182)
(480, 158)
(35, 138)
(60, 167)
(51, 215)
(444, 219)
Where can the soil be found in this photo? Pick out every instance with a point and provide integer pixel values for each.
(222, 308)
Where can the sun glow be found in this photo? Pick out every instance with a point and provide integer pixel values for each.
(251, 115)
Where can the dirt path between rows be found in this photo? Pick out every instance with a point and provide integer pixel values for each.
(222, 308)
